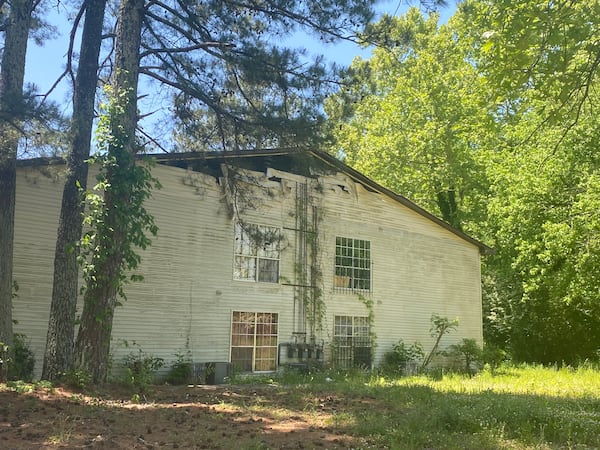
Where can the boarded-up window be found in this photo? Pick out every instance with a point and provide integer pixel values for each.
(352, 264)
(257, 253)
(254, 341)
(351, 342)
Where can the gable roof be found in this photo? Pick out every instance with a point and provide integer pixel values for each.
(328, 160)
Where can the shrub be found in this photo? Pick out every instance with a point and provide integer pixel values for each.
(493, 355)
(469, 351)
(78, 378)
(23, 363)
(140, 369)
(440, 326)
(182, 370)
(402, 359)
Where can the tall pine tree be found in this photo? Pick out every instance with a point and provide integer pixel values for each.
(12, 107)
(61, 324)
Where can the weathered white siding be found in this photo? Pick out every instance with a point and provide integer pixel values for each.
(37, 209)
(418, 269)
(188, 295)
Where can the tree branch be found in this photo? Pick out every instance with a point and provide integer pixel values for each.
(204, 45)
(69, 68)
(151, 139)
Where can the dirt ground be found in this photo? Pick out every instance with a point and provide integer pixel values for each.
(194, 417)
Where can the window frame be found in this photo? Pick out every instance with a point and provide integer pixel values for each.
(253, 262)
(353, 265)
(349, 334)
(261, 337)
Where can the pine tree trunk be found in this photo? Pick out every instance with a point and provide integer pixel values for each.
(61, 324)
(12, 72)
(92, 347)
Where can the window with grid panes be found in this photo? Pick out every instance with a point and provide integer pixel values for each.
(352, 342)
(257, 253)
(352, 264)
(254, 341)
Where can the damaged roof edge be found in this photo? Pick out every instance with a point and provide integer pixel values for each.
(323, 156)
(354, 174)
(362, 179)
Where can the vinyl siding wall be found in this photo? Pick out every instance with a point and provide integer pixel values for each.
(37, 208)
(188, 295)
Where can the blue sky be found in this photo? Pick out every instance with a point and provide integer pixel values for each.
(45, 64)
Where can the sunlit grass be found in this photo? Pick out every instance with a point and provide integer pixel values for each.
(528, 380)
(512, 407)
(528, 406)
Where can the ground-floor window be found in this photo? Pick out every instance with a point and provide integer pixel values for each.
(254, 341)
(351, 342)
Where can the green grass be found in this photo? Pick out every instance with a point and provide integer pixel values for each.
(512, 408)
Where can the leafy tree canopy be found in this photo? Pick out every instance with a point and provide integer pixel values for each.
(540, 60)
(413, 117)
(546, 49)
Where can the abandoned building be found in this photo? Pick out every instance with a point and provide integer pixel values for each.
(263, 259)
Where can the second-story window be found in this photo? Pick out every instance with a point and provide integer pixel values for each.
(352, 264)
(257, 252)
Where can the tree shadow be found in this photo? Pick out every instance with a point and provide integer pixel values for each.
(333, 415)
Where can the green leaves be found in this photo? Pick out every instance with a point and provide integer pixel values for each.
(548, 50)
(412, 117)
(127, 186)
(239, 74)
(544, 209)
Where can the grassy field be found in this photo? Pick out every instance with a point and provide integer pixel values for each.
(512, 408)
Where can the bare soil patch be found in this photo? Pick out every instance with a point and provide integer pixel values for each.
(198, 417)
